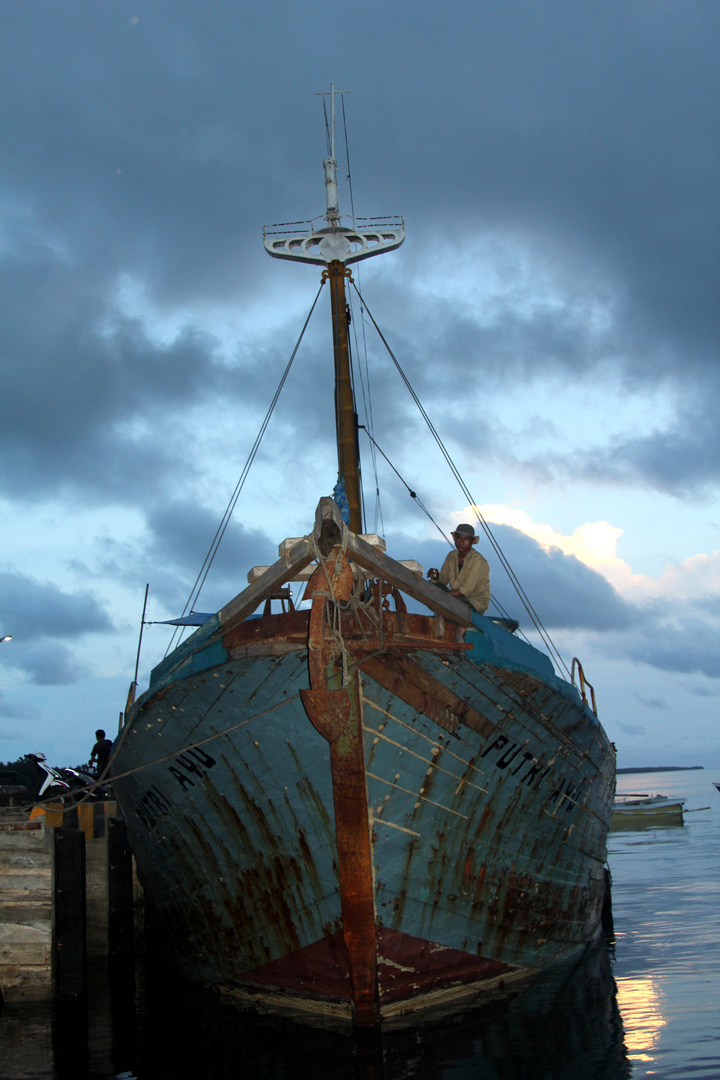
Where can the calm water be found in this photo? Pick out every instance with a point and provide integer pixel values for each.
(646, 1005)
(666, 905)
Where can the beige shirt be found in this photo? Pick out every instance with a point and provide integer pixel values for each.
(473, 580)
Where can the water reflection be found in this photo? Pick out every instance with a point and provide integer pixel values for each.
(665, 887)
(26, 1047)
(565, 1025)
(640, 1002)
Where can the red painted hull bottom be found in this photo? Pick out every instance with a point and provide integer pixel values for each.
(407, 967)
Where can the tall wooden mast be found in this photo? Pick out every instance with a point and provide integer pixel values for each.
(333, 701)
(335, 247)
(345, 415)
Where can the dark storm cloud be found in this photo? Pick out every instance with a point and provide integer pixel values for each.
(703, 691)
(41, 617)
(595, 117)
(682, 460)
(632, 729)
(157, 148)
(67, 381)
(117, 144)
(181, 535)
(12, 710)
(687, 645)
(33, 610)
(83, 390)
(49, 663)
(652, 702)
(564, 592)
(171, 558)
(567, 595)
(517, 328)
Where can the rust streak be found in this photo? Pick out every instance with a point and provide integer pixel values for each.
(396, 787)
(421, 691)
(430, 762)
(446, 749)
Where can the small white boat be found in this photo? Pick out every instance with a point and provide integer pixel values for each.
(636, 811)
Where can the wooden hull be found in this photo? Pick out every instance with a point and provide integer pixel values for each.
(357, 812)
(449, 842)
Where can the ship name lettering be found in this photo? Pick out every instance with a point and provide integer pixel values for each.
(533, 772)
(197, 767)
(565, 795)
(513, 752)
(152, 806)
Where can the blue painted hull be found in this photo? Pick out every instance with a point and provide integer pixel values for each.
(489, 788)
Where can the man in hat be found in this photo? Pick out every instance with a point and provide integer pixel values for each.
(465, 572)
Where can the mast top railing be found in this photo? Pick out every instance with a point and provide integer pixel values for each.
(304, 241)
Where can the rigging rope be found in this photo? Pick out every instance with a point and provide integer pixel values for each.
(88, 789)
(220, 532)
(327, 126)
(225, 521)
(524, 599)
(413, 494)
(493, 599)
(363, 368)
(347, 158)
(364, 377)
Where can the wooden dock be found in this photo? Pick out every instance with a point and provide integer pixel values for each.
(68, 894)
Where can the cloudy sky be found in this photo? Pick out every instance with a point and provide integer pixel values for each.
(554, 306)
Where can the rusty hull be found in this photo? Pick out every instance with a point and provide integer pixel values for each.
(359, 812)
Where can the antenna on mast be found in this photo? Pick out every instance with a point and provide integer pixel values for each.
(301, 241)
(332, 213)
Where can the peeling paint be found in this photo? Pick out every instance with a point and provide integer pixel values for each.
(484, 800)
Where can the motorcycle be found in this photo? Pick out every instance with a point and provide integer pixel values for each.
(48, 782)
(67, 785)
(85, 778)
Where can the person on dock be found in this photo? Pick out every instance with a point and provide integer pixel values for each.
(101, 751)
(465, 573)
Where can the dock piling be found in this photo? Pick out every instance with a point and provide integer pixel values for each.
(69, 949)
(67, 899)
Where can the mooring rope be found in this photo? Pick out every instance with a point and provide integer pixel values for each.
(89, 788)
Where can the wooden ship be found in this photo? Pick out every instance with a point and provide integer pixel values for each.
(357, 812)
